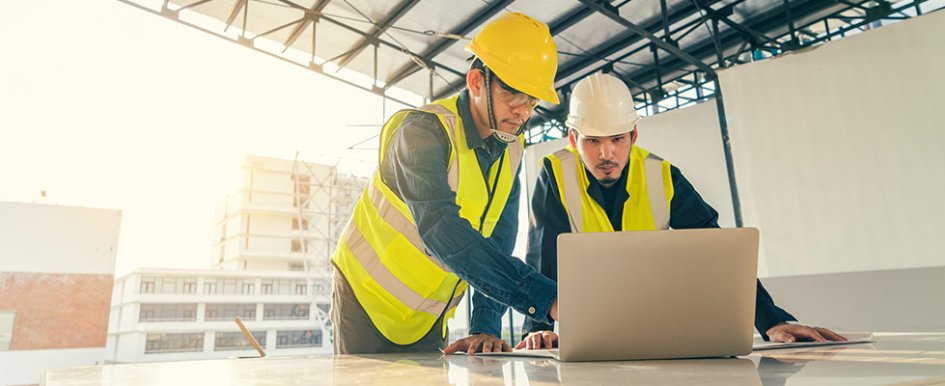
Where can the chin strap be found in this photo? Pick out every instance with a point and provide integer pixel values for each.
(499, 135)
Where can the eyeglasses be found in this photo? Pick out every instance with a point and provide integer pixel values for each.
(514, 98)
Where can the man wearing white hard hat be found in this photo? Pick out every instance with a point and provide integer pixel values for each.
(607, 184)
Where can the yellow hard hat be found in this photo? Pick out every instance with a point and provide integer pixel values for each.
(521, 52)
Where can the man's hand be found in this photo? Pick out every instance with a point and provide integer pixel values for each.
(539, 339)
(788, 333)
(478, 343)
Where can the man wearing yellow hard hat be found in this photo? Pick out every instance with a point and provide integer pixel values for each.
(602, 182)
(441, 211)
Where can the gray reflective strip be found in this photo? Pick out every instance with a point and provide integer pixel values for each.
(516, 150)
(450, 118)
(572, 200)
(456, 299)
(656, 192)
(397, 220)
(368, 259)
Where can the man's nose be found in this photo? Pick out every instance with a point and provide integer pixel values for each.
(522, 111)
(607, 150)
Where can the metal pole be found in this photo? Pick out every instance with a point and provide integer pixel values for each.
(665, 14)
(658, 95)
(314, 38)
(726, 142)
(511, 330)
(468, 310)
(727, 147)
(790, 23)
(646, 102)
(430, 99)
(698, 82)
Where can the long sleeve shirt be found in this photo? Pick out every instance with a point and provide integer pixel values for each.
(415, 168)
(687, 211)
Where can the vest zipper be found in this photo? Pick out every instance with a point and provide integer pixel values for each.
(495, 183)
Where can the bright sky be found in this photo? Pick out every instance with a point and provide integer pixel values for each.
(104, 105)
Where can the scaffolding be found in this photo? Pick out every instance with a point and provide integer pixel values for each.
(324, 201)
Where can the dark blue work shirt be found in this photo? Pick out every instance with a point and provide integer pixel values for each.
(687, 211)
(415, 168)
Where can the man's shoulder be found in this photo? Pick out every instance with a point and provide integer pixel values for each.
(420, 118)
(421, 123)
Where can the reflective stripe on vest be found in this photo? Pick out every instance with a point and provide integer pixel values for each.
(649, 186)
(403, 288)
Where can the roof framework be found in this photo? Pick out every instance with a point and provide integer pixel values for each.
(412, 51)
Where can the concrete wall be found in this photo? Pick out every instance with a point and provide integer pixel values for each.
(889, 300)
(61, 239)
(838, 151)
(55, 311)
(56, 273)
(26, 367)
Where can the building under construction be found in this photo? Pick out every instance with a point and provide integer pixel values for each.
(272, 241)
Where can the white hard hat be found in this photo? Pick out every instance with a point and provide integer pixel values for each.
(601, 106)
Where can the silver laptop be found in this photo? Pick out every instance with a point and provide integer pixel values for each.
(655, 294)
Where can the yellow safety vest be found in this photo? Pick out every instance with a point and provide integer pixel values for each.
(649, 184)
(403, 289)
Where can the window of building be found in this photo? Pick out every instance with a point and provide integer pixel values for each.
(296, 246)
(166, 343)
(190, 287)
(303, 224)
(289, 311)
(229, 286)
(320, 286)
(210, 286)
(284, 287)
(300, 288)
(168, 285)
(248, 313)
(266, 287)
(249, 288)
(325, 307)
(147, 285)
(296, 266)
(235, 340)
(7, 318)
(302, 190)
(227, 311)
(298, 338)
(167, 313)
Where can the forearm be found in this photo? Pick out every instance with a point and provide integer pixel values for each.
(486, 315)
(484, 266)
(767, 314)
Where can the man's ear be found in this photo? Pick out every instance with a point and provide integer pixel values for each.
(474, 82)
(633, 135)
(572, 137)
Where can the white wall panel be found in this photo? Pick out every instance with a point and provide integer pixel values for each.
(690, 138)
(838, 151)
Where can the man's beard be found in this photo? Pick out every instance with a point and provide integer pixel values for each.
(607, 181)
